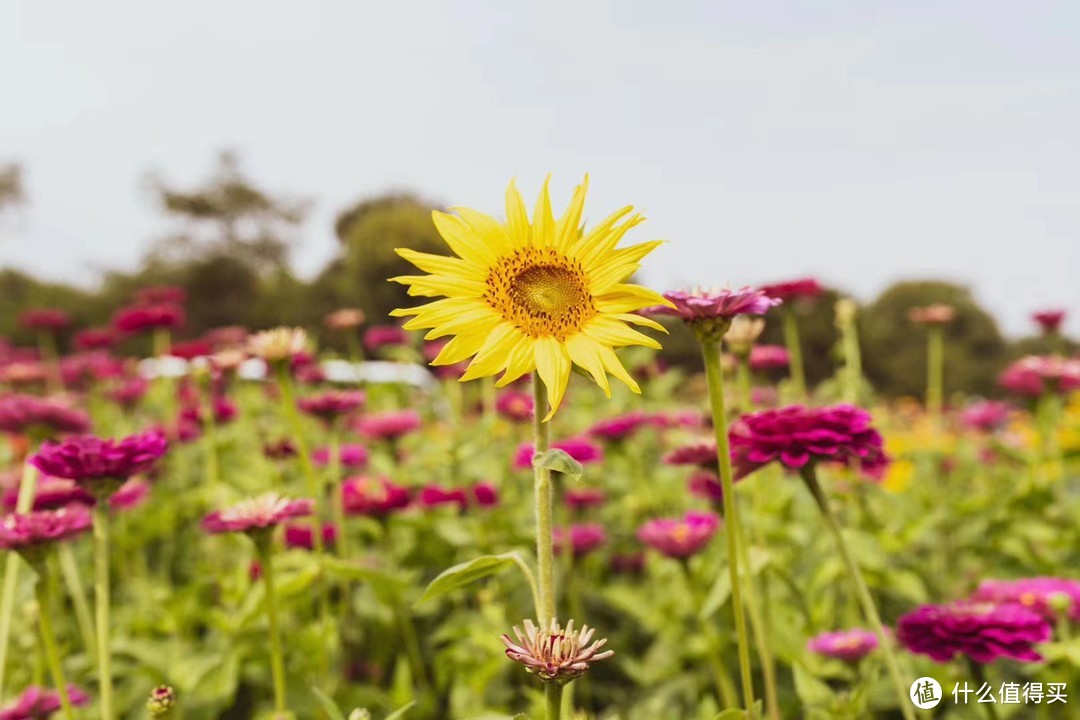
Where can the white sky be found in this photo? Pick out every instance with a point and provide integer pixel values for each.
(862, 142)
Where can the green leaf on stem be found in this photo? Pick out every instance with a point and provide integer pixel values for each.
(558, 461)
(467, 573)
(328, 705)
(400, 712)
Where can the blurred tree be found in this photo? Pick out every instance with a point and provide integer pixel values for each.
(369, 232)
(818, 335)
(894, 348)
(12, 192)
(20, 291)
(228, 216)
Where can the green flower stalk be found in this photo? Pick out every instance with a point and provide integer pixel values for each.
(43, 590)
(935, 318)
(794, 348)
(23, 504)
(264, 548)
(543, 490)
(846, 312)
(102, 602)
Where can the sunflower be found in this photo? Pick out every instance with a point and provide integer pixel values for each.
(543, 295)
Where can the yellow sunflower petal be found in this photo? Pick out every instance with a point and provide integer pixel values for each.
(595, 249)
(436, 285)
(553, 366)
(517, 217)
(465, 243)
(590, 238)
(640, 320)
(458, 349)
(614, 366)
(625, 298)
(519, 361)
(607, 276)
(585, 352)
(442, 264)
(613, 333)
(569, 226)
(543, 225)
(493, 232)
(491, 357)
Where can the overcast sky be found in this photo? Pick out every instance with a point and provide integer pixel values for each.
(862, 142)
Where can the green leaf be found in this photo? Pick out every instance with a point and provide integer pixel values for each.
(558, 461)
(467, 573)
(400, 712)
(810, 689)
(731, 714)
(328, 704)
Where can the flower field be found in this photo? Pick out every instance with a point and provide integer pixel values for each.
(547, 522)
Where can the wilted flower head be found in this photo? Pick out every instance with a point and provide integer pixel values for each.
(680, 537)
(555, 655)
(279, 344)
(260, 513)
(768, 357)
(41, 527)
(1049, 321)
(584, 451)
(797, 436)
(987, 415)
(26, 414)
(144, 318)
(389, 425)
(379, 336)
(46, 319)
(36, 703)
(743, 333)
(938, 314)
(515, 405)
(582, 538)
(710, 312)
(791, 290)
(159, 294)
(1048, 596)
(350, 455)
(847, 645)
(372, 496)
(332, 405)
(345, 319)
(621, 427)
(983, 631)
(161, 700)
(1034, 375)
(95, 339)
(101, 464)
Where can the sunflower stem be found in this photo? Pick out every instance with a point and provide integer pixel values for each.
(794, 348)
(43, 590)
(264, 547)
(101, 605)
(710, 350)
(23, 504)
(545, 554)
(809, 476)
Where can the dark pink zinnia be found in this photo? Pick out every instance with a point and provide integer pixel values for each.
(131, 495)
(21, 414)
(332, 405)
(190, 349)
(1048, 596)
(379, 336)
(583, 538)
(847, 645)
(621, 427)
(581, 498)
(706, 485)
(798, 436)
(515, 405)
(37, 703)
(89, 459)
(701, 454)
(987, 416)
(768, 357)
(1049, 321)
(1035, 375)
(95, 339)
(44, 319)
(983, 631)
(42, 527)
(389, 425)
(350, 455)
(803, 288)
(484, 494)
(717, 304)
(51, 493)
(680, 537)
(582, 450)
(434, 496)
(260, 513)
(134, 320)
(128, 394)
(303, 536)
(372, 496)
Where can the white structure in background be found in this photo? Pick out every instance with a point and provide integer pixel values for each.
(337, 371)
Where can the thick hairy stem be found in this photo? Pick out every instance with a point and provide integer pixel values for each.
(545, 555)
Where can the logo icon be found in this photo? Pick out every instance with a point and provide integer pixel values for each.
(925, 693)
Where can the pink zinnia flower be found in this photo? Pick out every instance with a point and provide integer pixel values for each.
(372, 496)
(987, 416)
(23, 414)
(95, 339)
(379, 336)
(131, 494)
(1035, 375)
(797, 436)
(847, 645)
(581, 498)
(44, 319)
(332, 405)
(621, 427)
(190, 349)
(706, 485)
(680, 537)
(260, 513)
(628, 563)
(279, 449)
(435, 496)
(128, 394)
(764, 397)
(23, 532)
(701, 454)
(389, 425)
(484, 494)
(1049, 321)
(303, 536)
(1048, 596)
(716, 304)
(678, 419)
(51, 493)
(938, 314)
(983, 631)
(791, 290)
(89, 460)
(134, 320)
(584, 451)
(37, 703)
(161, 294)
(768, 357)
(515, 405)
(225, 411)
(350, 455)
(583, 538)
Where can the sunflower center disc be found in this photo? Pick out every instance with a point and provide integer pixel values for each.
(542, 292)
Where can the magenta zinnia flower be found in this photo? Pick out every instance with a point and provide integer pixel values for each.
(515, 405)
(982, 631)
(45, 319)
(372, 496)
(90, 460)
(987, 416)
(582, 498)
(379, 336)
(768, 357)
(484, 494)
(582, 538)
(23, 414)
(701, 454)
(332, 405)
(303, 536)
(434, 496)
(37, 703)
(134, 320)
(128, 394)
(41, 527)
(1048, 596)
(798, 436)
(389, 425)
(716, 304)
(95, 339)
(790, 290)
(582, 450)
(1049, 321)
(847, 645)
(1035, 375)
(260, 513)
(680, 537)
(706, 485)
(621, 427)
(350, 455)
(51, 493)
